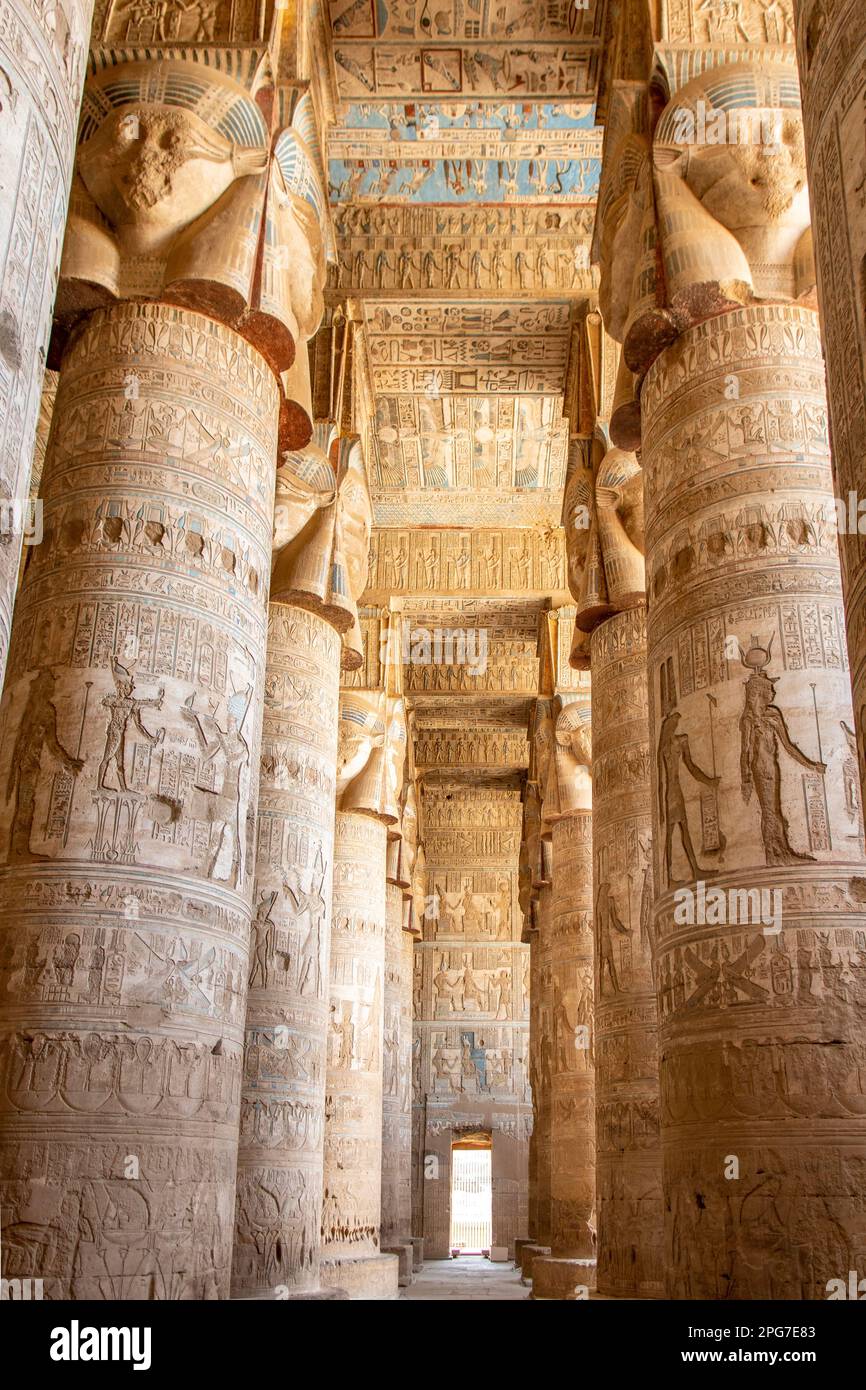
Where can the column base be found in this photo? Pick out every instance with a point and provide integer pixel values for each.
(417, 1243)
(554, 1278)
(519, 1243)
(362, 1276)
(528, 1253)
(404, 1252)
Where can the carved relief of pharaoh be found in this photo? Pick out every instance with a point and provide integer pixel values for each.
(323, 519)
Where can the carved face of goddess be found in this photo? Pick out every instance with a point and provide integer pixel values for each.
(357, 528)
(151, 170)
(757, 182)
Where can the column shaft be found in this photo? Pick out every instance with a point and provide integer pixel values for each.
(756, 960)
(351, 1213)
(543, 1102)
(397, 1074)
(279, 1190)
(832, 52)
(568, 959)
(630, 1214)
(132, 719)
(42, 57)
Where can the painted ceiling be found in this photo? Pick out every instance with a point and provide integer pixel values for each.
(463, 168)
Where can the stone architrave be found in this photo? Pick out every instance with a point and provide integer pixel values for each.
(569, 1271)
(321, 532)
(43, 50)
(757, 838)
(831, 46)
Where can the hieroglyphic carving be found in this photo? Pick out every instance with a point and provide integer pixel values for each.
(42, 54)
(133, 700)
(473, 560)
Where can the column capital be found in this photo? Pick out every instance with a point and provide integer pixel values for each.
(604, 537)
(322, 525)
(185, 194)
(708, 211)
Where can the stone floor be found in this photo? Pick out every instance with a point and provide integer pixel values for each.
(468, 1277)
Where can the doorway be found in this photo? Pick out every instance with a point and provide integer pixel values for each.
(471, 1197)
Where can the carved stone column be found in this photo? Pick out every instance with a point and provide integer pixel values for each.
(397, 1055)
(750, 717)
(351, 1211)
(42, 57)
(396, 1109)
(136, 679)
(132, 717)
(541, 983)
(570, 1269)
(535, 902)
(279, 1188)
(757, 832)
(605, 543)
(321, 536)
(630, 1211)
(368, 783)
(831, 44)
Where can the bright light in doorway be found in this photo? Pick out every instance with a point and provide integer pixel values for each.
(471, 1200)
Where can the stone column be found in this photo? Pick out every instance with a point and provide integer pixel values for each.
(831, 44)
(369, 778)
(279, 1188)
(397, 1059)
(132, 719)
(569, 1271)
(758, 922)
(351, 1211)
(607, 571)
(750, 719)
(540, 983)
(534, 897)
(42, 57)
(629, 1184)
(321, 533)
